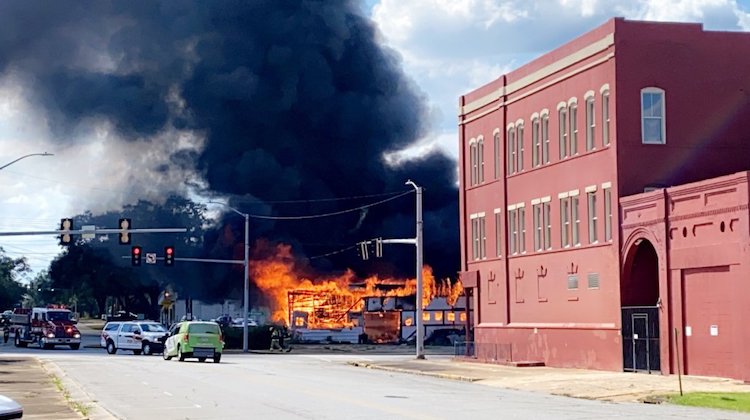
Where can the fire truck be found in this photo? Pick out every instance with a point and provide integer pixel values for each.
(47, 327)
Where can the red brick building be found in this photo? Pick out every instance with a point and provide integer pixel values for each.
(604, 206)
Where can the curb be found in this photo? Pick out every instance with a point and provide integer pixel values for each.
(77, 393)
(415, 372)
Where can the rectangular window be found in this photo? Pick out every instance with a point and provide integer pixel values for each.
(652, 116)
(536, 210)
(590, 124)
(605, 118)
(593, 280)
(563, 118)
(576, 220)
(572, 281)
(593, 237)
(482, 238)
(546, 214)
(519, 138)
(545, 139)
(498, 234)
(513, 226)
(565, 222)
(536, 139)
(474, 239)
(521, 229)
(573, 129)
(511, 151)
(607, 214)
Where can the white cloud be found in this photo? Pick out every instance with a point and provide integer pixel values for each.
(450, 47)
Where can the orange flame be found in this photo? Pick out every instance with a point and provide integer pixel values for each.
(325, 301)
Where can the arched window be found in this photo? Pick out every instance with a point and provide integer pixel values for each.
(473, 162)
(497, 148)
(590, 121)
(605, 115)
(519, 147)
(511, 146)
(536, 142)
(480, 158)
(545, 136)
(562, 118)
(653, 116)
(573, 126)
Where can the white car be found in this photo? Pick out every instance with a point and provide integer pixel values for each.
(145, 337)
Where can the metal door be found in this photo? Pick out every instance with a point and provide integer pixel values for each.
(640, 339)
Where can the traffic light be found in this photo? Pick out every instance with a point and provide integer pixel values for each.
(169, 256)
(124, 233)
(378, 247)
(363, 251)
(135, 256)
(66, 238)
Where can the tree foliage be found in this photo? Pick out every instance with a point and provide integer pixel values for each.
(11, 290)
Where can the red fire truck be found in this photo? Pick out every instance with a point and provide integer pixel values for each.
(47, 327)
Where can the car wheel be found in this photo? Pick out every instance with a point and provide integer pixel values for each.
(180, 356)
(217, 358)
(201, 359)
(111, 349)
(165, 356)
(147, 349)
(75, 346)
(136, 352)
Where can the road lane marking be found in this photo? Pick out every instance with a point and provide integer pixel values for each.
(198, 406)
(167, 394)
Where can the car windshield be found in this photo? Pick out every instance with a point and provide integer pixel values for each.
(58, 315)
(203, 329)
(153, 328)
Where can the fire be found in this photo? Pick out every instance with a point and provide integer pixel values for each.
(326, 300)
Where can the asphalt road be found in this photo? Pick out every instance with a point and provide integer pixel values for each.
(298, 386)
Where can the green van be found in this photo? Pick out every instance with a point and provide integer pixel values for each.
(194, 339)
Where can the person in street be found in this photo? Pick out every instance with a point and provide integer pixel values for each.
(276, 339)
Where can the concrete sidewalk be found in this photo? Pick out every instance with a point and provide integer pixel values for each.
(29, 384)
(579, 383)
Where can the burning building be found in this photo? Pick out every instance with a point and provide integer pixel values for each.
(346, 306)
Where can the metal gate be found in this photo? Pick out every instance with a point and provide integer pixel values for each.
(640, 339)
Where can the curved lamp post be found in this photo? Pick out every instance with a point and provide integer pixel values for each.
(24, 157)
(246, 280)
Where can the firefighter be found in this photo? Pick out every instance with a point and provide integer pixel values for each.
(6, 328)
(276, 339)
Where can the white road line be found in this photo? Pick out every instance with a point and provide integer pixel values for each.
(197, 406)
(167, 393)
(144, 383)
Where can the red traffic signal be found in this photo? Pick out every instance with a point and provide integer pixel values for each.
(169, 256)
(135, 256)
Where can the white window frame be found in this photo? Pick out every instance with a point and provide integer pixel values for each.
(521, 228)
(547, 217)
(593, 218)
(473, 161)
(498, 233)
(565, 222)
(545, 137)
(606, 140)
(520, 146)
(510, 133)
(573, 126)
(590, 121)
(480, 157)
(513, 226)
(497, 143)
(536, 210)
(607, 212)
(482, 237)
(650, 91)
(536, 142)
(576, 217)
(562, 129)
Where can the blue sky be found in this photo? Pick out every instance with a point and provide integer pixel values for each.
(447, 48)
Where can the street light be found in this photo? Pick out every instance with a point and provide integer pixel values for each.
(246, 280)
(420, 320)
(24, 157)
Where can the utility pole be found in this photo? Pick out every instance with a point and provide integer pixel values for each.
(420, 291)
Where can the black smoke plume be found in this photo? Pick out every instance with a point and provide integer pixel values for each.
(297, 101)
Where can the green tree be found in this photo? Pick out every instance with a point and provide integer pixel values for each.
(11, 290)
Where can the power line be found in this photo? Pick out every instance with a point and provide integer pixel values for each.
(334, 252)
(317, 200)
(335, 213)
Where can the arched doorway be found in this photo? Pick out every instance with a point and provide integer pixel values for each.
(639, 299)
